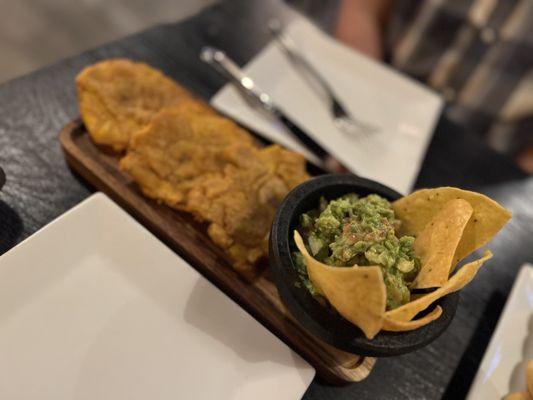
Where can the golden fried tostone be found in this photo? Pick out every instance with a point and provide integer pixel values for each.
(119, 97)
(239, 203)
(208, 166)
(178, 148)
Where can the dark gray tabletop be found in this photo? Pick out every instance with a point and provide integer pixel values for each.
(40, 186)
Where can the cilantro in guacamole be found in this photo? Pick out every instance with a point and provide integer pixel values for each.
(351, 230)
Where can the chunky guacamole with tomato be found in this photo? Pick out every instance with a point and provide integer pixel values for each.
(353, 230)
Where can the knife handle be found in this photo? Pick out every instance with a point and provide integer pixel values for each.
(295, 130)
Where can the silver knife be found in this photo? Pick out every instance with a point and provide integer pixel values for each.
(252, 93)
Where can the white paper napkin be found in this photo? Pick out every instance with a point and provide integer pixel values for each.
(405, 111)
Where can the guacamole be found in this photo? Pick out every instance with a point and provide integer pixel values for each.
(352, 230)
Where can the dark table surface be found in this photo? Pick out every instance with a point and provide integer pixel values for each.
(40, 186)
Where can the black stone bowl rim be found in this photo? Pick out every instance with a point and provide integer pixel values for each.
(330, 327)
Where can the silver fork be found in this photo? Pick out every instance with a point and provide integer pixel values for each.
(342, 119)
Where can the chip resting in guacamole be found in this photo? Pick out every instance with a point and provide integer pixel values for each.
(379, 263)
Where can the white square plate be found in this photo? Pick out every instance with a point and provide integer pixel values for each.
(93, 306)
(404, 110)
(503, 367)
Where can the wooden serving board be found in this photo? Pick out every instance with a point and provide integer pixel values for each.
(189, 238)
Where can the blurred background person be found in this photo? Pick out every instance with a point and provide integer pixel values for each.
(477, 53)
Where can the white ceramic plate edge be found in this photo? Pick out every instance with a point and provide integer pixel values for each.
(482, 381)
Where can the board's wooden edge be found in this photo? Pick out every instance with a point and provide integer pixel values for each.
(341, 367)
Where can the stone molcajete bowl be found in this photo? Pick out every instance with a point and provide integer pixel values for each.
(329, 326)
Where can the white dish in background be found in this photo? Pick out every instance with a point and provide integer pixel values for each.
(93, 306)
(503, 367)
(404, 110)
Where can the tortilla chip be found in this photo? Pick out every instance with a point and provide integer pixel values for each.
(529, 377)
(357, 293)
(529, 382)
(437, 243)
(459, 280)
(393, 325)
(418, 209)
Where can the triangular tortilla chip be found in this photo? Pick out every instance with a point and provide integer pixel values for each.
(459, 280)
(417, 209)
(437, 243)
(357, 293)
(390, 324)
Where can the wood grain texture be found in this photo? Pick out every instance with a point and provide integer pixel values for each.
(40, 186)
(185, 235)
